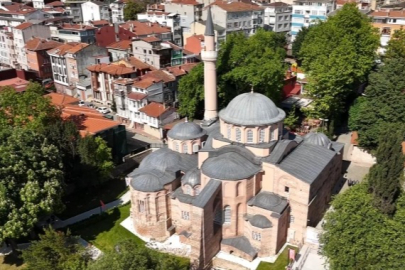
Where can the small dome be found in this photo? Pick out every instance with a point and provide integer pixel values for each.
(317, 139)
(251, 109)
(266, 200)
(260, 221)
(146, 182)
(161, 159)
(186, 131)
(192, 178)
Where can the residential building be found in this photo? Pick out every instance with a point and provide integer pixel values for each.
(195, 43)
(159, 53)
(55, 4)
(387, 21)
(117, 11)
(236, 16)
(99, 23)
(242, 186)
(13, 14)
(103, 75)
(120, 50)
(306, 13)
(75, 9)
(171, 20)
(94, 11)
(69, 62)
(24, 32)
(39, 4)
(107, 35)
(7, 51)
(148, 29)
(277, 17)
(68, 32)
(198, 28)
(189, 10)
(178, 72)
(38, 59)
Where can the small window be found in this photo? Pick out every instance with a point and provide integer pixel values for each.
(257, 236)
(185, 215)
(261, 135)
(195, 148)
(249, 135)
(287, 189)
(271, 134)
(292, 219)
(144, 51)
(227, 214)
(228, 132)
(141, 206)
(185, 148)
(176, 146)
(238, 135)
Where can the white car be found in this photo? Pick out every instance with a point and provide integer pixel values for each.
(103, 110)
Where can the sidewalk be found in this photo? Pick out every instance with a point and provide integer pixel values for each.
(63, 223)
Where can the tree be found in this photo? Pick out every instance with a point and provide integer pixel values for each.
(396, 45)
(132, 8)
(29, 109)
(337, 55)
(243, 62)
(31, 181)
(383, 103)
(55, 250)
(386, 176)
(292, 119)
(299, 39)
(130, 256)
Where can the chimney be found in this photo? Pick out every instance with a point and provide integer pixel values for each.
(116, 30)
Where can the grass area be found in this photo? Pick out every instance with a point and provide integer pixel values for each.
(84, 200)
(10, 262)
(280, 263)
(105, 231)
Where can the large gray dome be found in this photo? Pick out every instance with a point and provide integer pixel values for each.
(186, 131)
(192, 178)
(260, 221)
(251, 109)
(147, 182)
(317, 139)
(161, 160)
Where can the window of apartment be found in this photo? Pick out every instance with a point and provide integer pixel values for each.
(227, 214)
(185, 215)
(279, 25)
(235, 24)
(228, 25)
(280, 18)
(141, 206)
(286, 18)
(257, 236)
(261, 135)
(292, 219)
(249, 135)
(314, 12)
(286, 189)
(321, 13)
(238, 134)
(185, 148)
(144, 51)
(298, 11)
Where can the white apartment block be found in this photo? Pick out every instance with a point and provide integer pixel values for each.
(308, 12)
(95, 11)
(7, 52)
(190, 11)
(277, 17)
(117, 11)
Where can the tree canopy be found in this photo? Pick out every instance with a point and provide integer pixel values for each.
(132, 8)
(55, 250)
(243, 62)
(382, 104)
(396, 45)
(337, 55)
(31, 181)
(299, 39)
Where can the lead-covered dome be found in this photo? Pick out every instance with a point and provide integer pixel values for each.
(317, 139)
(192, 178)
(251, 109)
(260, 221)
(147, 182)
(186, 131)
(161, 160)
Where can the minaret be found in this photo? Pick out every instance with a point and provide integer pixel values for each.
(209, 56)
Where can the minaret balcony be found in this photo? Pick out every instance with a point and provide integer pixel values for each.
(209, 55)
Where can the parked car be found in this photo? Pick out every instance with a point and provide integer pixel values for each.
(82, 103)
(103, 110)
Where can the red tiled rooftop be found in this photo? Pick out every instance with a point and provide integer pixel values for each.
(60, 99)
(17, 9)
(181, 69)
(77, 48)
(187, 2)
(112, 69)
(120, 45)
(23, 26)
(151, 39)
(55, 4)
(154, 109)
(79, 27)
(136, 96)
(100, 22)
(39, 44)
(145, 28)
(144, 83)
(18, 84)
(236, 6)
(162, 75)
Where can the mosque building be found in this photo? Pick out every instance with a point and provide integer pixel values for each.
(239, 183)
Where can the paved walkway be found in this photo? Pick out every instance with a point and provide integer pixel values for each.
(63, 223)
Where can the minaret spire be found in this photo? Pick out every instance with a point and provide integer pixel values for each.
(209, 57)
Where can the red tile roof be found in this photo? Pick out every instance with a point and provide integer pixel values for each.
(60, 99)
(120, 45)
(100, 22)
(71, 47)
(39, 44)
(112, 69)
(154, 109)
(23, 26)
(17, 9)
(144, 83)
(77, 48)
(151, 39)
(160, 74)
(236, 6)
(80, 27)
(181, 70)
(145, 28)
(55, 4)
(187, 2)
(18, 84)
(136, 96)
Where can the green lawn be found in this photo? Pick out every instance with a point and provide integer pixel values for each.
(280, 263)
(84, 200)
(105, 231)
(10, 262)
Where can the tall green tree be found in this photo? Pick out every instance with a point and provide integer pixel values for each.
(299, 39)
(243, 62)
(132, 8)
(383, 103)
(31, 181)
(337, 56)
(386, 176)
(55, 250)
(396, 45)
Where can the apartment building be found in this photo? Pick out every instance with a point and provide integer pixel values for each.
(308, 12)
(147, 29)
(75, 9)
(7, 52)
(117, 11)
(69, 62)
(198, 28)
(120, 50)
(277, 17)
(94, 11)
(68, 32)
(13, 14)
(37, 57)
(24, 32)
(190, 11)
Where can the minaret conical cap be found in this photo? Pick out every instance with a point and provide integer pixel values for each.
(209, 25)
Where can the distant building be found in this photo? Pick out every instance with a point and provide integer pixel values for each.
(189, 10)
(99, 23)
(306, 13)
(195, 43)
(94, 11)
(198, 28)
(68, 32)
(7, 50)
(75, 9)
(148, 29)
(277, 17)
(117, 11)
(120, 50)
(13, 14)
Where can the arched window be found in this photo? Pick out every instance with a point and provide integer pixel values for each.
(195, 147)
(271, 134)
(227, 214)
(176, 146)
(185, 148)
(249, 135)
(261, 135)
(228, 132)
(238, 135)
(239, 189)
